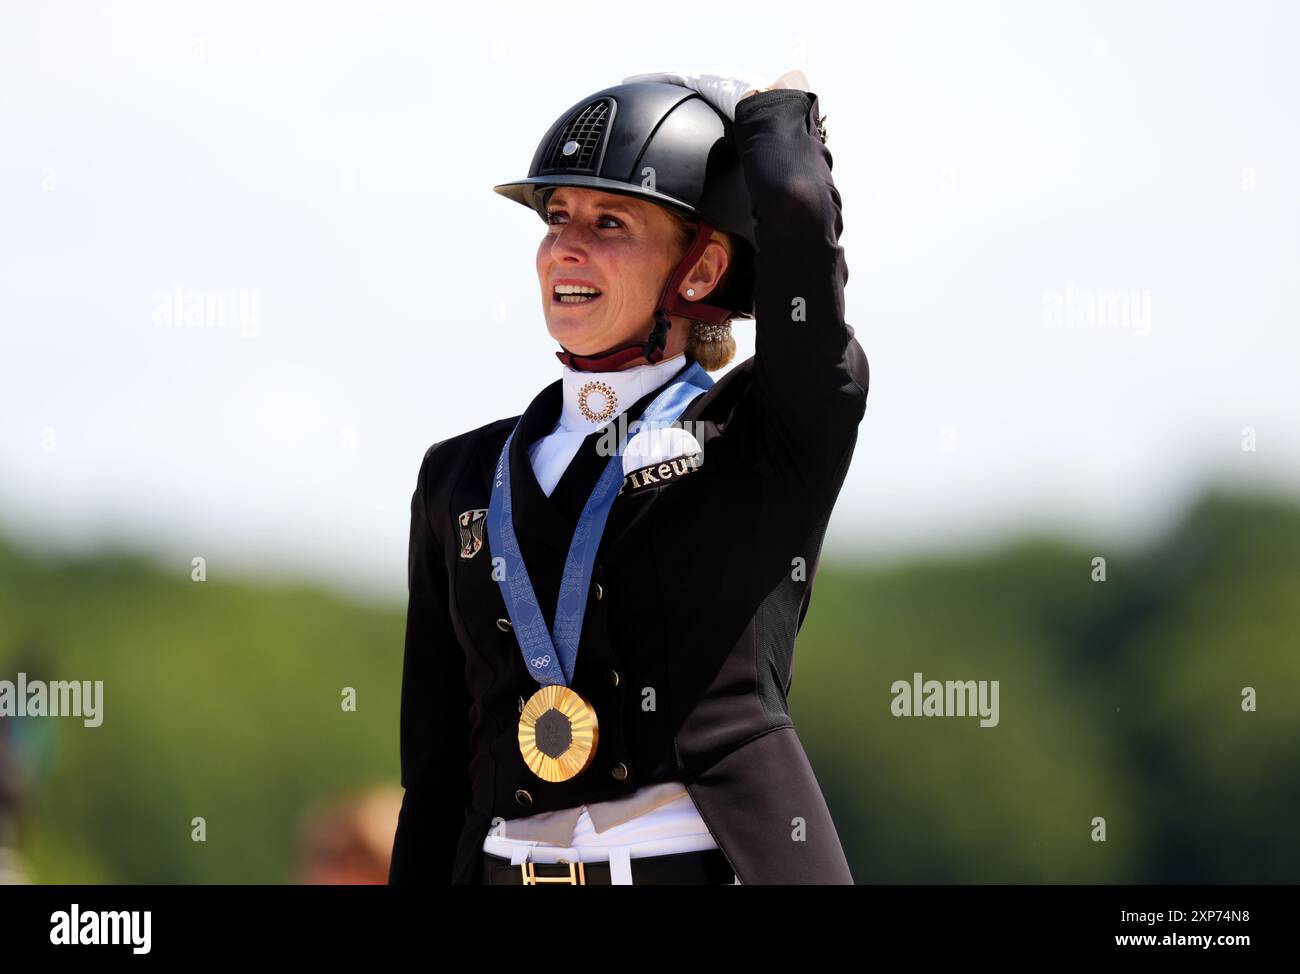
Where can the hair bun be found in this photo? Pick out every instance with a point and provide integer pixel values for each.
(713, 346)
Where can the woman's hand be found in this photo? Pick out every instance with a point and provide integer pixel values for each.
(723, 88)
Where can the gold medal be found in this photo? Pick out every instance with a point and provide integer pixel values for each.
(557, 733)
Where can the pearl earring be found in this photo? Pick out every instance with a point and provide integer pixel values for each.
(690, 292)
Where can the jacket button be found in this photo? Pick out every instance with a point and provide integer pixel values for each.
(619, 771)
(503, 625)
(600, 592)
(523, 798)
(613, 676)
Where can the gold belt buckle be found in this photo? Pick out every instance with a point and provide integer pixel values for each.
(576, 877)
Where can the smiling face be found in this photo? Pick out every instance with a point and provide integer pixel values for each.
(624, 248)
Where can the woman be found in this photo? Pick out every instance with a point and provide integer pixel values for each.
(603, 606)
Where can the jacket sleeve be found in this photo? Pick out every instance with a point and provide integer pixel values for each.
(435, 704)
(810, 373)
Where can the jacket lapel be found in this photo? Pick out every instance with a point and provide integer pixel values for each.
(535, 515)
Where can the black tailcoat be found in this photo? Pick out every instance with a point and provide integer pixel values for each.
(701, 582)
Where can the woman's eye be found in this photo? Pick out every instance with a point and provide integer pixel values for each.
(551, 220)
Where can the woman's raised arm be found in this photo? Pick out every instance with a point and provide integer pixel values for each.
(810, 373)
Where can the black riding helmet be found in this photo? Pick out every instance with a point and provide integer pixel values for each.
(664, 144)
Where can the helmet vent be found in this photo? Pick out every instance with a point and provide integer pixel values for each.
(579, 141)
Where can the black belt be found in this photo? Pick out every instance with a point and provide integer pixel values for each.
(708, 867)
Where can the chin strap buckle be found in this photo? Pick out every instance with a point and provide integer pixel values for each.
(658, 340)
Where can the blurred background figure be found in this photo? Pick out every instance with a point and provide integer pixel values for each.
(348, 841)
(13, 868)
(25, 752)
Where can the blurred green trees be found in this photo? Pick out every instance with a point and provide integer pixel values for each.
(1118, 699)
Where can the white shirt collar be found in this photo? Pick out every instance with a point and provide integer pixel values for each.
(625, 386)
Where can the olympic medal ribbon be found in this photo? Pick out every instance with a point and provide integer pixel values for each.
(552, 657)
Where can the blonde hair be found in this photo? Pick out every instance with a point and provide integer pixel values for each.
(713, 346)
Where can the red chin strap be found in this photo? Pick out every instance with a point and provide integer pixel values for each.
(670, 303)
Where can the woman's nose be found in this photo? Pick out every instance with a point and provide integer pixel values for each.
(569, 242)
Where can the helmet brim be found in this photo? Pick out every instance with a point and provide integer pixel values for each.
(530, 191)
